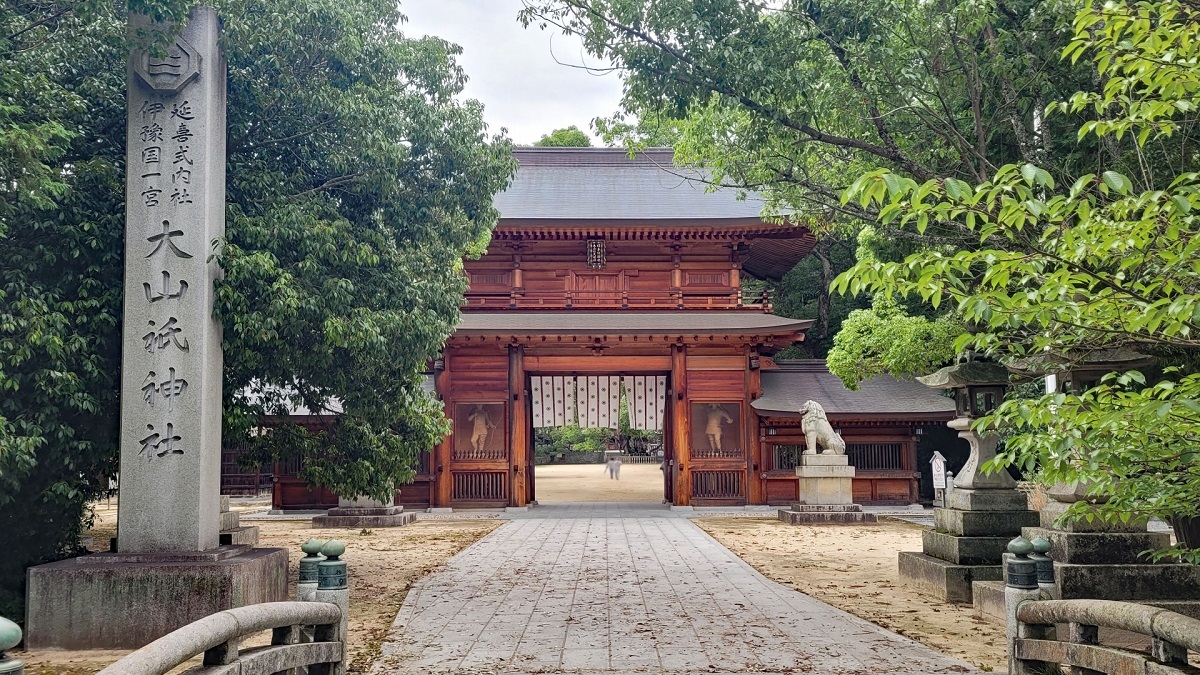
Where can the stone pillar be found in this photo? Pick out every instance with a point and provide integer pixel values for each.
(982, 513)
(1104, 561)
(171, 347)
(826, 492)
(1021, 587)
(169, 569)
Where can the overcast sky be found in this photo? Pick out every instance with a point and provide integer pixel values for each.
(513, 70)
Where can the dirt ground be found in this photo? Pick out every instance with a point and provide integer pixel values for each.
(590, 483)
(383, 564)
(850, 567)
(853, 568)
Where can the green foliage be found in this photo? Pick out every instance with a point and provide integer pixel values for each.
(796, 99)
(803, 293)
(357, 181)
(571, 137)
(1063, 268)
(884, 339)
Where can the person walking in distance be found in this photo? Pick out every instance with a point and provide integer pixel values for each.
(614, 468)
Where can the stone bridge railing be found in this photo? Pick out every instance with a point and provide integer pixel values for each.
(1037, 645)
(1171, 636)
(217, 637)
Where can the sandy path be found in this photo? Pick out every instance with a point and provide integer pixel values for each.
(590, 483)
(853, 568)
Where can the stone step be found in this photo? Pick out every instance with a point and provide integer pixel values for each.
(229, 520)
(1099, 548)
(240, 536)
(963, 550)
(825, 517)
(813, 508)
(983, 523)
(988, 599)
(365, 511)
(1178, 581)
(943, 580)
(224, 503)
(366, 522)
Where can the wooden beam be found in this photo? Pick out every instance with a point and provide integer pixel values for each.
(586, 363)
(680, 425)
(756, 493)
(518, 446)
(443, 488)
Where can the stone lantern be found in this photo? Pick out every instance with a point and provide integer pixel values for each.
(983, 511)
(978, 388)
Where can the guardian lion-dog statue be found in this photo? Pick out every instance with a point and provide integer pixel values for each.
(818, 432)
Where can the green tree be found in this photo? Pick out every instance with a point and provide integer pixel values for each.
(1064, 270)
(796, 99)
(571, 137)
(357, 181)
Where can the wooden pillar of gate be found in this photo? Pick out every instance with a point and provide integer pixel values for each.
(755, 489)
(518, 424)
(681, 414)
(443, 489)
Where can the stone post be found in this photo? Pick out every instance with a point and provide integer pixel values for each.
(306, 586)
(171, 344)
(10, 636)
(333, 586)
(170, 568)
(1022, 586)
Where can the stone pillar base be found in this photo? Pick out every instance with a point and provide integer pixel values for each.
(359, 517)
(967, 543)
(826, 514)
(125, 601)
(826, 493)
(825, 479)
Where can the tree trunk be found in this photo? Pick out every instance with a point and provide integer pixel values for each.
(1187, 530)
(821, 251)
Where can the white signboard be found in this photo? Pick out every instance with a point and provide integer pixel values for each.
(938, 464)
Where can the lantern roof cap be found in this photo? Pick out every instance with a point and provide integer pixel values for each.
(968, 374)
(1096, 360)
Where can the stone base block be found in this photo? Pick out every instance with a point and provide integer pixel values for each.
(364, 517)
(943, 580)
(986, 500)
(229, 520)
(983, 523)
(817, 508)
(1176, 581)
(826, 514)
(823, 459)
(241, 536)
(963, 550)
(1099, 548)
(365, 511)
(224, 503)
(1050, 513)
(119, 601)
(988, 599)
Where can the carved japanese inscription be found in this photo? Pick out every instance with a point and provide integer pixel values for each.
(171, 372)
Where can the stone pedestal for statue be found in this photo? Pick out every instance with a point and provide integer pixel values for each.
(170, 567)
(363, 512)
(1104, 561)
(233, 533)
(826, 489)
(967, 542)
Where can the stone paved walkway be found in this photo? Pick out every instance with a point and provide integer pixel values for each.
(609, 588)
